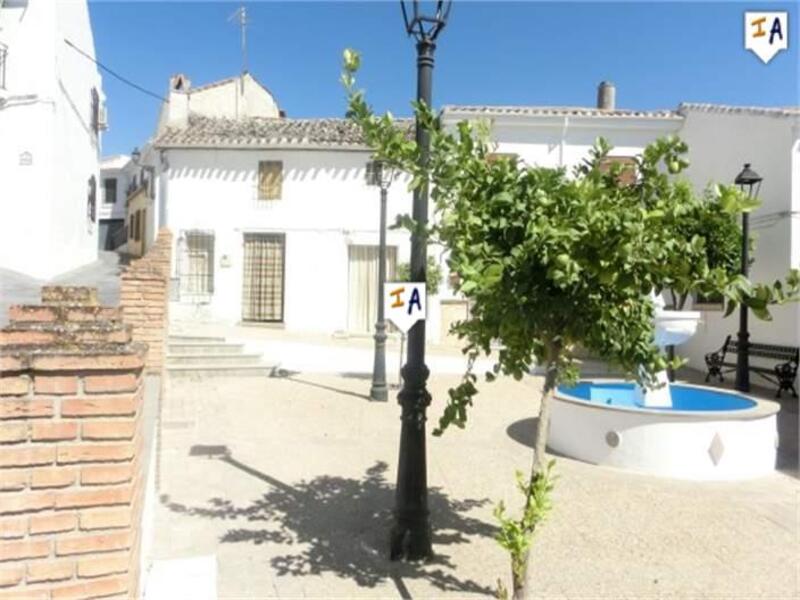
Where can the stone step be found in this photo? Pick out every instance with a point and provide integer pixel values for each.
(211, 370)
(182, 339)
(201, 348)
(234, 360)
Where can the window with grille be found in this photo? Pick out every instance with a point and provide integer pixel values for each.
(91, 200)
(263, 279)
(110, 191)
(270, 179)
(196, 263)
(627, 168)
(95, 111)
(137, 229)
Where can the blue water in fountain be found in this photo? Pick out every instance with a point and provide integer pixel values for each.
(684, 397)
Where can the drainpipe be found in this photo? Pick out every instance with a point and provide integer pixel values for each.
(563, 142)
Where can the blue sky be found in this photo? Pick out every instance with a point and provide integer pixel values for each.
(657, 54)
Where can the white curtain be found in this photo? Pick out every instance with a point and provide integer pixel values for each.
(362, 306)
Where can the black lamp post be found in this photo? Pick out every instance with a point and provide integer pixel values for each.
(748, 181)
(411, 533)
(380, 174)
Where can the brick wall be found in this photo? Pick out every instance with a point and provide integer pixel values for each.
(71, 480)
(144, 298)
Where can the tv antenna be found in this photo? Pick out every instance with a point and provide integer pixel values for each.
(240, 17)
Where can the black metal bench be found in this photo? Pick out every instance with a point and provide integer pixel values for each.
(782, 374)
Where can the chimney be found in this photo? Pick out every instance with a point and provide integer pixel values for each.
(179, 83)
(606, 96)
(178, 107)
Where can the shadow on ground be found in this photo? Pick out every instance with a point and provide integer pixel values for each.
(341, 526)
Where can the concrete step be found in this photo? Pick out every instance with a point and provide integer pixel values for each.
(183, 339)
(211, 370)
(231, 360)
(201, 348)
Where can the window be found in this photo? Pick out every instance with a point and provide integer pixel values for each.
(270, 179)
(196, 263)
(110, 190)
(130, 227)
(627, 166)
(3, 60)
(137, 230)
(495, 156)
(263, 277)
(91, 200)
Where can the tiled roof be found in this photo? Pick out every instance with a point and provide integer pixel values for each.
(559, 111)
(769, 111)
(262, 132)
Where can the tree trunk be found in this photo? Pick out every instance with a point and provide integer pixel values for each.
(552, 354)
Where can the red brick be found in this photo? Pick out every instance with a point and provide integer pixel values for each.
(18, 503)
(55, 384)
(93, 313)
(26, 337)
(11, 433)
(13, 528)
(106, 518)
(11, 576)
(15, 385)
(95, 588)
(26, 456)
(31, 313)
(40, 593)
(52, 477)
(104, 565)
(94, 497)
(120, 382)
(50, 431)
(103, 475)
(23, 409)
(100, 406)
(10, 363)
(100, 362)
(95, 453)
(109, 429)
(53, 523)
(50, 571)
(24, 549)
(13, 480)
(103, 542)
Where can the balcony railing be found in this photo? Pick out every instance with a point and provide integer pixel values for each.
(3, 59)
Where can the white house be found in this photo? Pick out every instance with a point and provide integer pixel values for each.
(721, 139)
(51, 118)
(116, 174)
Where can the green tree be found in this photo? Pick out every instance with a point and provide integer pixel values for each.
(433, 275)
(551, 261)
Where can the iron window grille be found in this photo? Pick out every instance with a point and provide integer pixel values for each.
(91, 200)
(270, 179)
(196, 263)
(110, 191)
(95, 111)
(3, 61)
(264, 277)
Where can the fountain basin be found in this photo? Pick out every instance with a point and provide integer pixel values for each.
(707, 434)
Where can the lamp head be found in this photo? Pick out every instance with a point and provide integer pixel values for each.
(425, 20)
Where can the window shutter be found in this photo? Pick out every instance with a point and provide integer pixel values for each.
(270, 179)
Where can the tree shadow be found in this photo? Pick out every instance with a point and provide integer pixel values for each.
(340, 525)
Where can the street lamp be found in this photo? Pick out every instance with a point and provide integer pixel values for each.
(748, 181)
(380, 174)
(411, 533)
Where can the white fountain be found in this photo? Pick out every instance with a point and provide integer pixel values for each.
(673, 327)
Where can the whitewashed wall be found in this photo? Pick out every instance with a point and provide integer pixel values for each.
(719, 145)
(116, 167)
(325, 207)
(45, 116)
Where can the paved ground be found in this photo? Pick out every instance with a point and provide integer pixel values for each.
(16, 288)
(288, 482)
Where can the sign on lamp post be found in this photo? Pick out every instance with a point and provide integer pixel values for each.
(404, 303)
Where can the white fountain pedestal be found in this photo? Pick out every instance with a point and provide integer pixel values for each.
(673, 327)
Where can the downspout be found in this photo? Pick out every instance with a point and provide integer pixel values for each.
(563, 141)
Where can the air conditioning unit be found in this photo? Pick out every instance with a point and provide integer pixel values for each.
(102, 118)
